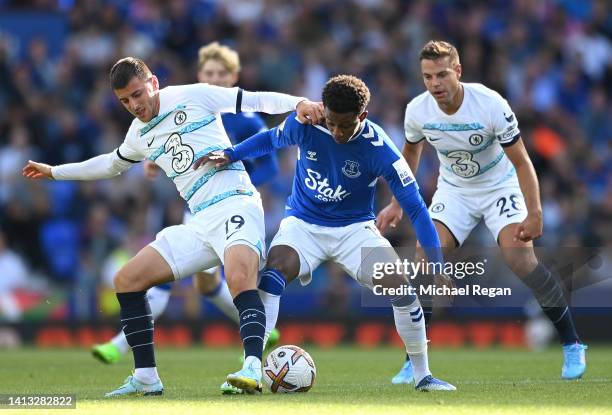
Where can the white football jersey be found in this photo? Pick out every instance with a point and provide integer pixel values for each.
(469, 142)
(188, 127)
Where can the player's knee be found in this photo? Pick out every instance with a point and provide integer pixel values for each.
(285, 261)
(126, 281)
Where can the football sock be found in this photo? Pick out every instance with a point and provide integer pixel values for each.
(252, 322)
(410, 325)
(158, 301)
(222, 298)
(427, 312)
(271, 288)
(137, 324)
(549, 294)
(146, 375)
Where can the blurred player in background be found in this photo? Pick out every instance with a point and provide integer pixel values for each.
(485, 173)
(329, 214)
(217, 65)
(174, 127)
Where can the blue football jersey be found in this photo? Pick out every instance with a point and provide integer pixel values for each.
(334, 184)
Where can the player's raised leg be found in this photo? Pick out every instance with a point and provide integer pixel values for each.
(112, 351)
(521, 259)
(241, 266)
(146, 269)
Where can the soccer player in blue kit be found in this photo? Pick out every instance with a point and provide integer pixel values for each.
(330, 216)
(217, 65)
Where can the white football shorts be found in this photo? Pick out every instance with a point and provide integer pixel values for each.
(460, 209)
(200, 243)
(347, 246)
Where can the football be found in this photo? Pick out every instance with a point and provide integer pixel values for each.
(289, 369)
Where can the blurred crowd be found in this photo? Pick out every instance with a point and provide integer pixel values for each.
(552, 59)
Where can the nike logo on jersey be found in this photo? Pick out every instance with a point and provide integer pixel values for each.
(513, 214)
(150, 142)
(324, 192)
(509, 118)
(434, 139)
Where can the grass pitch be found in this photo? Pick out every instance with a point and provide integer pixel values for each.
(349, 381)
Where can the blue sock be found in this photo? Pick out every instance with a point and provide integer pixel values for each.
(137, 325)
(252, 322)
(272, 281)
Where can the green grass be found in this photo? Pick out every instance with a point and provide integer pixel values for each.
(349, 381)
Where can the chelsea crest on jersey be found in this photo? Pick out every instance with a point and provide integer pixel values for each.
(186, 129)
(470, 142)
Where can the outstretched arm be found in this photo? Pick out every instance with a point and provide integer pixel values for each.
(100, 167)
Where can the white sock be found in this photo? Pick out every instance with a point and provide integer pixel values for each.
(253, 362)
(158, 301)
(146, 375)
(414, 337)
(271, 304)
(224, 301)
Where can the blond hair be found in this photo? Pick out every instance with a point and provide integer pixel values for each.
(435, 49)
(224, 54)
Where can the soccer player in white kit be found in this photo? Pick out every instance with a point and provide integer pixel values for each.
(174, 127)
(217, 65)
(485, 173)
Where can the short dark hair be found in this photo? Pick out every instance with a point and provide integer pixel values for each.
(125, 69)
(346, 93)
(435, 49)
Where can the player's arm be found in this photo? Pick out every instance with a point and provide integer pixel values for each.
(506, 129)
(531, 227)
(235, 100)
(100, 167)
(287, 133)
(392, 214)
(407, 195)
(265, 167)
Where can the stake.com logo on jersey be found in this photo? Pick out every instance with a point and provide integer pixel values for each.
(325, 192)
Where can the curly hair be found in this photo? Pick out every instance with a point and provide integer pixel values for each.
(346, 93)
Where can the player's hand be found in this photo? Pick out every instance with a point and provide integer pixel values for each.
(151, 170)
(309, 112)
(529, 229)
(218, 157)
(34, 170)
(389, 216)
